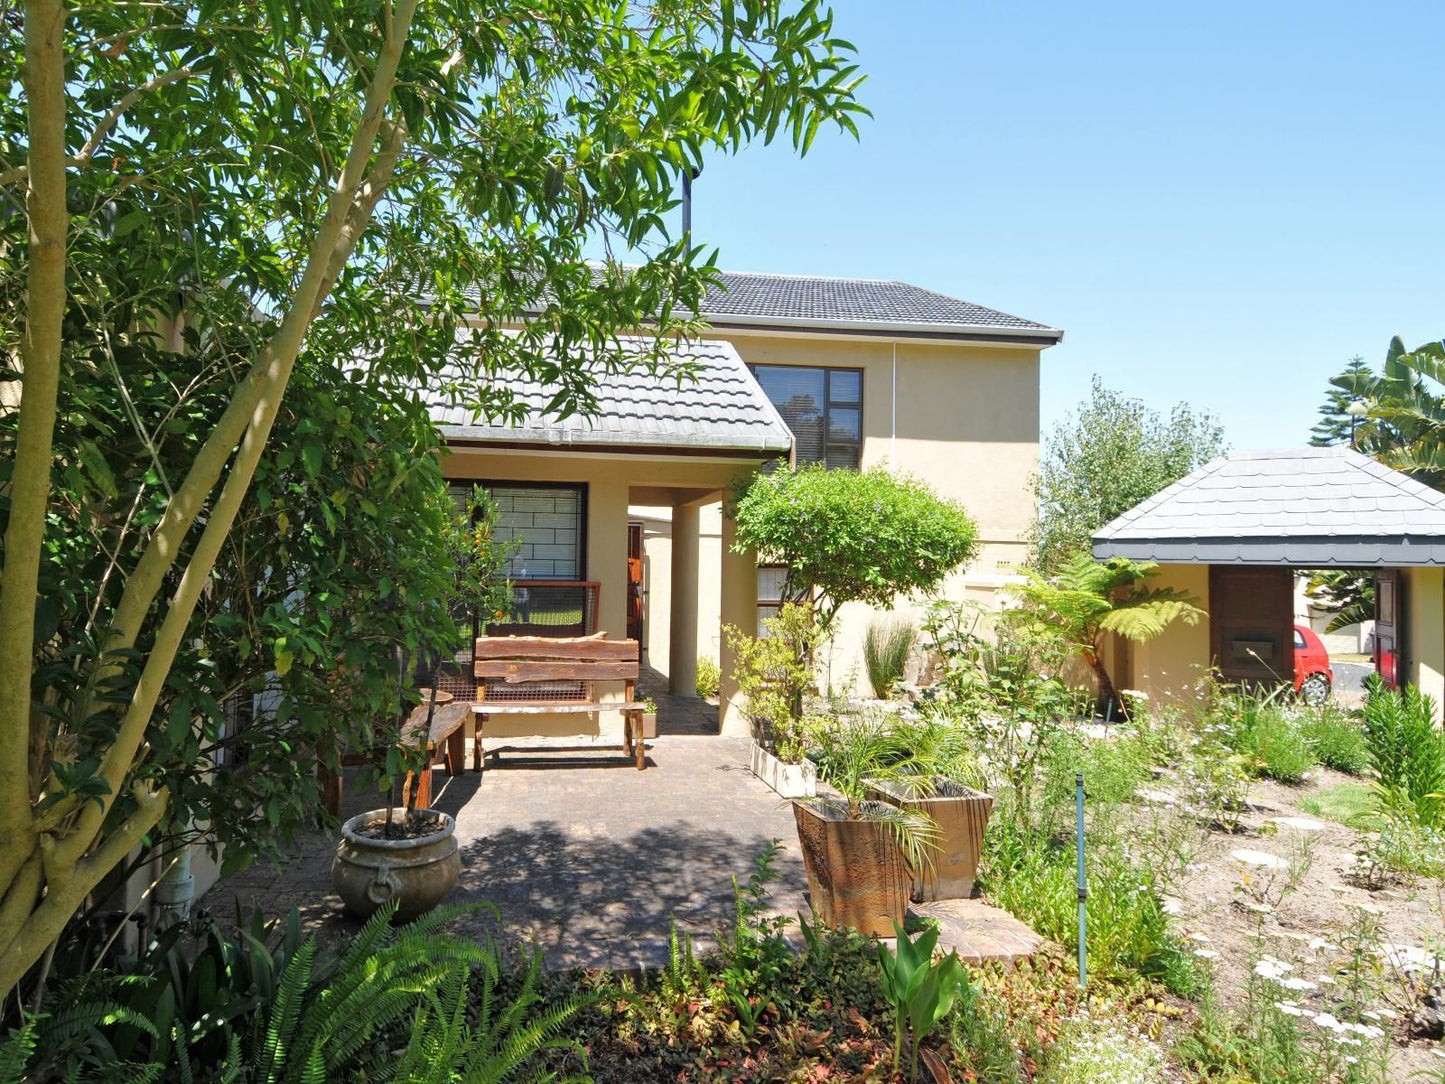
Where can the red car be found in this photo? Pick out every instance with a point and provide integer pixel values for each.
(1313, 677)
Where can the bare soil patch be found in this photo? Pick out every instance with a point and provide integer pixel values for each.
(1234, 909)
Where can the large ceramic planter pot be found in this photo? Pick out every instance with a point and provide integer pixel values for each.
(789, 780)
(856, 873)
(418, 873)
(961, 814)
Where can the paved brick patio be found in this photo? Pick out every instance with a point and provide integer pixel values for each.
(591, 860)
(585, 856)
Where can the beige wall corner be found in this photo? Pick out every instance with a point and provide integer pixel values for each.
(1425, 632)
(1168, 668)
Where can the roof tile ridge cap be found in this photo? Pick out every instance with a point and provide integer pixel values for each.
(800, 276)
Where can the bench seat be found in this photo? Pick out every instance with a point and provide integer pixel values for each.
(512, 663)
(554, 707)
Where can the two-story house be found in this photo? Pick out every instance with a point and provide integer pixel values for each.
(619, 516)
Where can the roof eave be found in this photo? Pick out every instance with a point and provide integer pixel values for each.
(1036, 336)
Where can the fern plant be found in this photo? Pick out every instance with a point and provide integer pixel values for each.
(295, 1015)
(1087, 599)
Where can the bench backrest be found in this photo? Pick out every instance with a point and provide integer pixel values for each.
(514, 659)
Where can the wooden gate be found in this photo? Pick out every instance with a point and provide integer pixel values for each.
(1251, 624)
(1389, 623)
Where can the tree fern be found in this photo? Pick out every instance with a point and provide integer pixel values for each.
(1086, 599)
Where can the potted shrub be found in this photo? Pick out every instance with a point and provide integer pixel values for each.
(649, 717)
(413, 858)
(774, 672)
(859, 852)
(948, 793)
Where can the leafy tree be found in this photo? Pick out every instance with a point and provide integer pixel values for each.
(1348, 592)
(1086, 599)
(1107, 457)
(852, 536)
(1338, 423)
(1404, 404)
(265, 188)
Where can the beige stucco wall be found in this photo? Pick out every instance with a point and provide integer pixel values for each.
(611, 480)
(1425, 631)
(1168, 668)
(963, 418)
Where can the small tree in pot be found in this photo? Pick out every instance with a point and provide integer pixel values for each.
(414, 860)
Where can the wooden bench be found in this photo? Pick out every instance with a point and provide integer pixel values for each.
(534, 675)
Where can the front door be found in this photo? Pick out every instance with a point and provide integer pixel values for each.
(1251, 624)
(1389, 601)
(634, 582)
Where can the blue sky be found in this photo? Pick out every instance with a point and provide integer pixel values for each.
(1219, 203)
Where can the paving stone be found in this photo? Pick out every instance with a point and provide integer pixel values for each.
(1301, 824)
(585, 857)
(1262, 859)
(978, 931)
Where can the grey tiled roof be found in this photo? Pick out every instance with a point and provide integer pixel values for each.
(722, 410)
(864, 302)
(1304, 507)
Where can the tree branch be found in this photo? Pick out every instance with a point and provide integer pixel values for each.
(107, 123)
(30, 481)
(267, 386)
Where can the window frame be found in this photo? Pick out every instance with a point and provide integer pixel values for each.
(828, 404)
(581, 488)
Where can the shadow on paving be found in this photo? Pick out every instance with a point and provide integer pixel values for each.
(601, 901)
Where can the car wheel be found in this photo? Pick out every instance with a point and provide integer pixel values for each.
(1315, 689)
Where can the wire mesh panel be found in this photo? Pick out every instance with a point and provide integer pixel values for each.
(501, 691)
(549, 608)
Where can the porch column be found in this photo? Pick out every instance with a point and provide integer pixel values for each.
(607, 552)
(682, 633)
(740, 608)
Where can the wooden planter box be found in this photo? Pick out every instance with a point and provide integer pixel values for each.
(856, 873)
(788, 780)
(961, 814)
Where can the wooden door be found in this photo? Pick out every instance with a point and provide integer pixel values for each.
(634, 582)
(1251, 624)
(1389, 623)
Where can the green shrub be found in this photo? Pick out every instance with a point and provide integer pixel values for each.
(775, 674)
(1129, 931)
(1407, 753)
(709, 678)
(886, 648)
(852, 536)
(1336, 740)
(1279, 747)
(408, 1003)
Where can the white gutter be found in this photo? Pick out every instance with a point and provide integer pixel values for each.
(725, 320)
(893, 424)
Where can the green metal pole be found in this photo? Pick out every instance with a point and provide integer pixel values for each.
(1083, 888)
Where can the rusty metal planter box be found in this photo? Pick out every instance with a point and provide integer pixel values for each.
(856, 873)
(961, 814)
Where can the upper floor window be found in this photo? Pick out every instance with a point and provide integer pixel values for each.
(823, 408)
